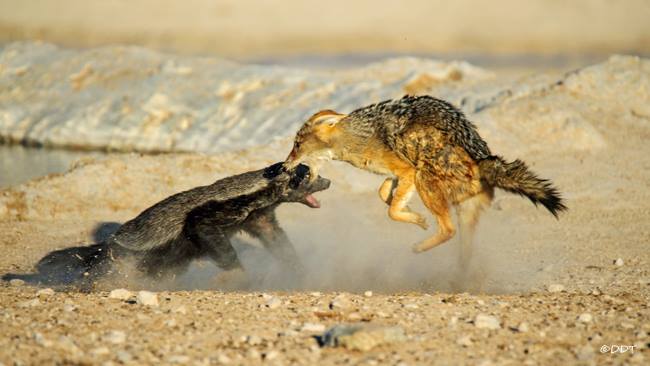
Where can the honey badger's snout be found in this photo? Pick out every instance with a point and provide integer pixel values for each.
(302, 185)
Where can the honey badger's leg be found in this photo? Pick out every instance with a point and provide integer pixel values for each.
(401, 196)
(264, 226)
(386, 190)
(434, 199)
(212, 240)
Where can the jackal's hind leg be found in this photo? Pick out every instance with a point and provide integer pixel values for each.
(434, 200)
(386, 190)
(469, 212)
(398, 210)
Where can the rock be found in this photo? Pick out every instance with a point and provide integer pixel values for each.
(586, 352)
(483, 321)
(68, 308)
(465, 341)
(367, 294)
(147, 298)
(223, 359)
(253, 340)
(42, 341)
(312, 327)
(585, 318)
(556, 287)
(115, 337)
(121, 294)
(180, 359)
(411, 306)
(253, 354)
(123, 356)
(30, 303)
(361, 337)
(99, 351)
(180, 310)
(619, 262)
(68, 345)
(273, 303)
(340, 302)
(523, 327)
(46, 292)
(16, 282)
(271, 355)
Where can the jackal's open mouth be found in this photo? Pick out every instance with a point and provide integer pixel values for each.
(311, 201)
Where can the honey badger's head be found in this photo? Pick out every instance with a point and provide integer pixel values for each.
(299, 186)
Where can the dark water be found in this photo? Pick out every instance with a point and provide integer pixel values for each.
(19, 164)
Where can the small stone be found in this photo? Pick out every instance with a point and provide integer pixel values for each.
(619, 262)
(411, 306)
(585, 318)
(180, 310)
(354, 317)
(315, 294)
(16, 282)
(340, 302)
(585, 352)
(273, 303)
(182, 359)
(147, 298)
(46, 292)
(253, 353)
(556, 287)
(271, 355)
(596, 292)
(115, 337)
(484, 321)
(99, 351)
(223, 359)
(30, 303)
(42, 341)
(361, 337)
(368, 294)
(253, 340)
(124, 356)
(312, 327)
(170, 322)
(120, 294)
(523, 327)
(465, 341)
(68, 308)
(68, 345)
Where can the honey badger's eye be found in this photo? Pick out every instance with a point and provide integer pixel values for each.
(301, 172)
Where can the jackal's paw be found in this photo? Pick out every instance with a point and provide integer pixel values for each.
(420, 247)
(421, 222)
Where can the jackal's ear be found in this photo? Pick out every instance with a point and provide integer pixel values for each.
(326, 117)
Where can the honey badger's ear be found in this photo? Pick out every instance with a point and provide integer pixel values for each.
(326, 117)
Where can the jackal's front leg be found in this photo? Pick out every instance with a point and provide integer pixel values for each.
(401, 196)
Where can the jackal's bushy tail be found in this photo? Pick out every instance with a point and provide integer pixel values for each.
(516, 178)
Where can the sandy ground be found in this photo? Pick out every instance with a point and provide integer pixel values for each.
(266, 29)
(350, 246)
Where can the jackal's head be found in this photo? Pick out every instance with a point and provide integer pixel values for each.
(315, 142)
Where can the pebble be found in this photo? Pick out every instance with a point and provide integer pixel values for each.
(271, 355)
(411, 306)
(68, 308)
(253, 353)
(16, 282)
(556, 287)
(585, 318)
(99, 351)
(120, 294)
(68, 345)
(147, 298)
(182, 359)
(523, 327)
(124, 356)
(340, 302)
(42, 341)
(253, 340)
(115, 337)
(368, 294)
(465, 341)
(46, 292)
(312, 327)
(483, 321)
(361, 337)
(30, 303)
(273, 303)
(585, 352)
(619, 262)
(223, 359)
(180, 310)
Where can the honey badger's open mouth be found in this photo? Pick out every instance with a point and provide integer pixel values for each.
(311, 201)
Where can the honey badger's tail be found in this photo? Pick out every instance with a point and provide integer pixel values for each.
(516, 178)
(67, 266)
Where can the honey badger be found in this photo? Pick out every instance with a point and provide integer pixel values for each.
(426, 145)
(199, 222)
